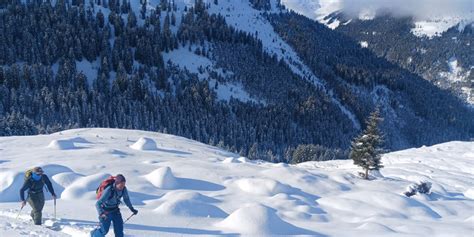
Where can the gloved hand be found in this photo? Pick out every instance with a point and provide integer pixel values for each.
(134, 211)
(103, 216)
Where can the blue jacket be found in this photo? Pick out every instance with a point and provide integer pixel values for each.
(106, 202)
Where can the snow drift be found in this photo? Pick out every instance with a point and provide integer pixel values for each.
(162, 178)
(191, 204)
(62, 145)
(257, 219)
(144, 144)
(194, 189)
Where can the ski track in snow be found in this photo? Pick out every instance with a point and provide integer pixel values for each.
(183, 187)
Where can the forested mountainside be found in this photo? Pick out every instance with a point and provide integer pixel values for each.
(431, 40)
(290, 86)
(446, 60)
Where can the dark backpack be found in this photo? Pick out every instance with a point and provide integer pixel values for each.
(103, 185)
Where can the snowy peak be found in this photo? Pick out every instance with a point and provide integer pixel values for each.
(319, 10)
(442, 17)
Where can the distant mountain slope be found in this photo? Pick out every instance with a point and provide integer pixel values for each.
(438, 48)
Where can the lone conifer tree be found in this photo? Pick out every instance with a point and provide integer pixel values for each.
(366, 150)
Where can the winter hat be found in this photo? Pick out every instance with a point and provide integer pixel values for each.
(38, 170)
(120, 178)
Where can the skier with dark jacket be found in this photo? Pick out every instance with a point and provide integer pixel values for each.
(35, 198)
(108, 207)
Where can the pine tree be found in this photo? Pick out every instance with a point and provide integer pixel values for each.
(253, 152)
(366, 150)
(143, 9)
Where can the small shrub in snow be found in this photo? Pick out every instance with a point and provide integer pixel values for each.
(423, 187)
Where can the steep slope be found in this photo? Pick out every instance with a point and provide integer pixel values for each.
(361, 78)
(435, 44)
(445, 60)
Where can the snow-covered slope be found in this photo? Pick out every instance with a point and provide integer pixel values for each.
(316, 9)
(436, 26)
(424, 25)
(182, 187)
(441, 31)
(241, 15)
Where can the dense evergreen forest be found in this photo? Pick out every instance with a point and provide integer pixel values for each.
(42, 90)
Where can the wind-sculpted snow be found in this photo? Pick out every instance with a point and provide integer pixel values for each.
(162, 178)
(182, 187)
(144, 144)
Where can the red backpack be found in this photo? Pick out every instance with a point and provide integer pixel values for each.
(103, 185)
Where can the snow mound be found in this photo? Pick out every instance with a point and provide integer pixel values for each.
(469, 193)
(257, 219)
(10, 183)
(281, 165)
(243, 160)
(62, 145)
(53, 169)
(66, 179)
(79, 140)
(190, 204)
(230, 160)
(162, 178)
(84, 187)
(144, 144)
(261, 186)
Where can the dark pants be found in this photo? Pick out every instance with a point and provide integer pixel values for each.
(114, 217)
(36, 201)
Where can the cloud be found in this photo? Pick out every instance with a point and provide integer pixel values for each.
(420, 9)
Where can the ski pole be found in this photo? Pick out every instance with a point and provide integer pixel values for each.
(22, 206)
(54, 208)
(128, 218)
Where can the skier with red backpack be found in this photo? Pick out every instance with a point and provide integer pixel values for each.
(109, 194)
